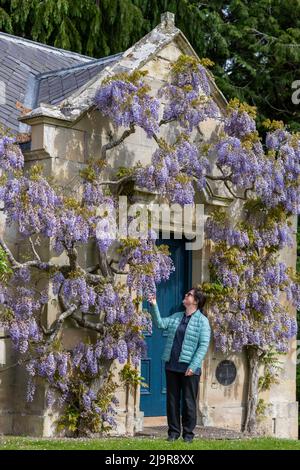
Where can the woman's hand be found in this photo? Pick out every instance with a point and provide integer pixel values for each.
(189, 372)
(152, 300)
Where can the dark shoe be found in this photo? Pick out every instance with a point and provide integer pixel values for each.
(188, 440)
(172, 438)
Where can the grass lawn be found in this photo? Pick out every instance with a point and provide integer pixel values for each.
(27, 443)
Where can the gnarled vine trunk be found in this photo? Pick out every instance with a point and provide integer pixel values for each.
(253, 356)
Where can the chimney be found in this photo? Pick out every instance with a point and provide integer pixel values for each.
(167, 19)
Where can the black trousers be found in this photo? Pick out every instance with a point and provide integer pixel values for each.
(182, 394)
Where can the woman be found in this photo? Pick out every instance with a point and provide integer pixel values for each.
(186, 346)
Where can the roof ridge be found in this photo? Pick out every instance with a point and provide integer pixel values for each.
(109, 58)
(31, 43)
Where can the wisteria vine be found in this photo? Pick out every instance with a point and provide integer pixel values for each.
(247, 276)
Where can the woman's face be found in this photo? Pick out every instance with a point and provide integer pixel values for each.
(189, 299)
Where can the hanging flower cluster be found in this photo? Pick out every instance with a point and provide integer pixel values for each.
(188, 94)
(125, 100)
(173, 170)
(149, 264)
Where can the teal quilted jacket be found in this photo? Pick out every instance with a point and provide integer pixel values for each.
(196, 339)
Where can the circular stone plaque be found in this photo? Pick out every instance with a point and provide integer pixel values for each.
(226, 372)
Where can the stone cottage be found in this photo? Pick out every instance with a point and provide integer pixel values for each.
(46, 100)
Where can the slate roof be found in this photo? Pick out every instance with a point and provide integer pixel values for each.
(31, 73)
(55, 86)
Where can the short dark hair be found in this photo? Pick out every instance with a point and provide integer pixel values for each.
(199, 296)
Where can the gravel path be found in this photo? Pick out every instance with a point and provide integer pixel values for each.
(207, 432)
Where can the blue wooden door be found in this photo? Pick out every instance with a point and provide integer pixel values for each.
(169, 299)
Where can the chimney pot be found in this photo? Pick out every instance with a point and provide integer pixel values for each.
(168, 19)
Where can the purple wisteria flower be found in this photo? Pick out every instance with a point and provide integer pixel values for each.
(11, 157)
(126, 104)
